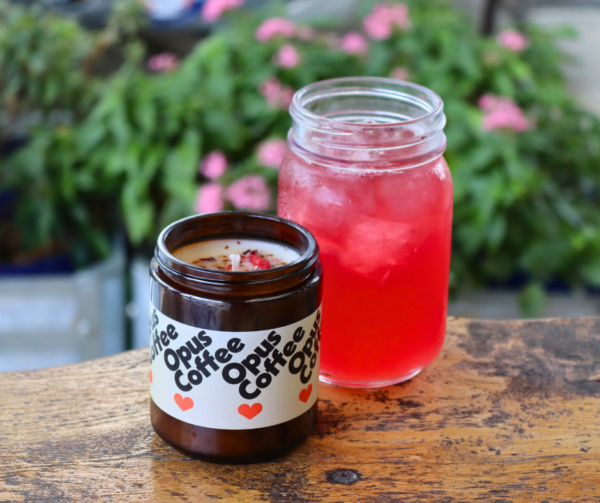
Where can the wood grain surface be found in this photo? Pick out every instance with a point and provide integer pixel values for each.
(509, 412)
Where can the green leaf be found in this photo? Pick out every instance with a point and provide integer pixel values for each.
(119, 124)
(138, 210)
(590, 271)
(496, 231)
(532, 300)
(145, 114)
(153, 158)
(90, 135)
(182, 163)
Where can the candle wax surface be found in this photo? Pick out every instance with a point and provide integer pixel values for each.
(254, 254)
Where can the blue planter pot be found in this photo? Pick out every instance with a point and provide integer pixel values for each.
(54, 264)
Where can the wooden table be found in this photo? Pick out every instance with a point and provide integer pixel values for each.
(509, 412)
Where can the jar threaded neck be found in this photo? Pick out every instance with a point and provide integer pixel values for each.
(367, 120)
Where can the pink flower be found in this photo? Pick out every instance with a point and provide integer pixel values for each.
(382, 19)
(287, 57)
(250, 192)
(305, 33)
(271, 153)
(214, 9)
(354, 43)
(276, 94)
(488, 101)
(400, 73)
(502, 113)
(286, 97)
(209, 198)
(513, 40)
(164, 62)
(275, 26)
(213, 165)
(399, 15)
(377, 24)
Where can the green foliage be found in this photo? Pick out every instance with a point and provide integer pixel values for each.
(131, 142)
(532, 299)
(42, 67)
(48, 88)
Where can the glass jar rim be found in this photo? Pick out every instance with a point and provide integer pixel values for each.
(169, 239)
(423, 97)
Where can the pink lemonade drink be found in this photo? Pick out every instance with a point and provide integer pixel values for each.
(366, 176)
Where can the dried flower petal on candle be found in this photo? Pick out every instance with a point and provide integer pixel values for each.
(228, 255)
(248, 261)
(258, 261)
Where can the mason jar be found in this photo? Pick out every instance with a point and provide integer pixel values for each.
(366, 175)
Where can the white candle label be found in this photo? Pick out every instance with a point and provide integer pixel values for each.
(234, 380)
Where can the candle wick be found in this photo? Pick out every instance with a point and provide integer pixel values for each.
(235, 262)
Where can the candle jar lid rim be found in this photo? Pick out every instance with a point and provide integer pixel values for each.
(176, 266)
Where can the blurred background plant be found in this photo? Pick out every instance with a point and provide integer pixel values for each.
(102, 134)
(51, 81)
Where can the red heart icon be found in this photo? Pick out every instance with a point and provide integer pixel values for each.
(305, 394)
(250, 412)
(150, 376)
(184, 403)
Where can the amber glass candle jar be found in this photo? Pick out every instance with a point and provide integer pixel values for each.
(235, 355)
